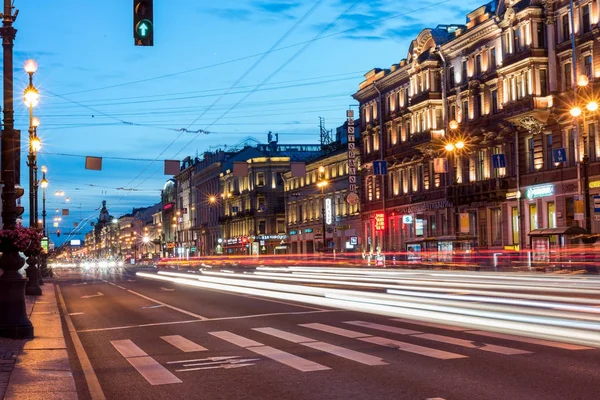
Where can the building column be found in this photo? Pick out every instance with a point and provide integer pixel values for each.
(550, 37)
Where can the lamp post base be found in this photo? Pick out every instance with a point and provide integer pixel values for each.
(14, 323)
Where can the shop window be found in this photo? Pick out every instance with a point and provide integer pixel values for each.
(515, 225)
(533, 218)
(496, 217)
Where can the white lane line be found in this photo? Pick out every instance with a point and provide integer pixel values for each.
(411, 348)
(91, 379)
(325, 347)
(288, 359)
(471, 345)
(336, 331)
(431, 324)
(121, 287)
(540, 342)
(205, 320)
(183, 344)
(147, 366)
(191, 314)
(386, 328)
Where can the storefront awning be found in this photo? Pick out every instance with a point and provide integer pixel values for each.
(566, 230)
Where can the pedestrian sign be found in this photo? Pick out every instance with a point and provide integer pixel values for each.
(597, 204)
(559, 155)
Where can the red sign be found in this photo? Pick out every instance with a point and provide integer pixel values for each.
(168, 206)
(380, 221)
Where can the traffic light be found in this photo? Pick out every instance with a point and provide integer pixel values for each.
(58, 233)
(143, 23)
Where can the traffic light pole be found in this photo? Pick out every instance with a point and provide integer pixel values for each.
(13, 317)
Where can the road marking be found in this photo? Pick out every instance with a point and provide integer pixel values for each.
(75, 313)
(204, 359)
(431, 324)
(386, 328)
(230, 361)
(411, 348)
(168, 305)
(225, 366)
(183, 344)
(121, 287)
(325, 347)
(154, 306)
(79, 284)
(336, 331)
(147, 366)
(91, 379)
(167, 290)
(471, 345)
(89, 296)
(207, 320)
(540, 342)
(282, 357)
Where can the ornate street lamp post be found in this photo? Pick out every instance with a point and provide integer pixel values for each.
(322, 184)
(44, 185)
(13, 317)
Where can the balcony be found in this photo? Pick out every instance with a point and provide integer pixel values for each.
(523, 54)
(427, 95)
(490, 190)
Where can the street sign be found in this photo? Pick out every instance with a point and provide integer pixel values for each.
(380, 167)
(559, 155)
(499, 160)
(597, 204)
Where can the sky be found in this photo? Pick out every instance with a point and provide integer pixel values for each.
(234, 69)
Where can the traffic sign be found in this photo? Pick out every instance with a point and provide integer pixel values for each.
(597, 204)
(380, 167)
(499, 160)
(559, 155)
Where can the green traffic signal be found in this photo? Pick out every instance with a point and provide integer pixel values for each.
(144, 29)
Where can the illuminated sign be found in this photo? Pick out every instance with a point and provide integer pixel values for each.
(535, 192)
(594, 184)
(352, 197)
(293, 232)
(168, 206)
(308, 230)
(513, 195)
(407, 219)
(328, 212)
(379, 221)
(75, 242)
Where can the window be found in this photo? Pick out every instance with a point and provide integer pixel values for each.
(568, 76)
(260, 179)
(478, 65)
(565, 27)
(543, 82)
(463, 78)
(506, 43)
(262, 227)
(480, 172)
(261, 203)
(370, 188)
(398, 134)
(479, 104)
(571, 147)
(587, 65)
(496, 217)
(519, 87)
(551, 215)
(280, 226)
(586, 18)
(494, 95)
(451, 82)
(465, 110)
(438, 118)
(541, 35)
(570, 211)
(420, 179)
(517, 37)
(530, 154)
(548, 151)
(493, 61)
(452, 112)
(396, 183)
(533, 219)
(398, 93)
(593, 142)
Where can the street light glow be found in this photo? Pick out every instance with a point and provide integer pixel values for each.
(582, 80)
(449, 147)
(31, 97)
(453, 124)
(44, 183)
(30, 66)
(321, 169)
(146, 239)
(592, 106)
(212, 199)
(44, 169)
(322, 184)
(35, 122)
(575, 112)
(36, 144)
(460, 144)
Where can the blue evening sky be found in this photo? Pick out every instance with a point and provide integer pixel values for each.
(103, 96)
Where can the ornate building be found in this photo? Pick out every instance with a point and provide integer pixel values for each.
(489, 178)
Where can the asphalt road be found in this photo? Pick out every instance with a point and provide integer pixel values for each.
(150, 339)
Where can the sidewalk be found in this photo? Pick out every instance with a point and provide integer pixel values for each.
(38, 368)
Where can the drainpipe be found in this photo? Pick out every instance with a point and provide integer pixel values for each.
(444, 90)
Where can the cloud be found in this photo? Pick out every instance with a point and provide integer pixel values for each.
(258, 11)
(276, 7)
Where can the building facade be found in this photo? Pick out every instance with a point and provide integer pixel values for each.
(491, 179)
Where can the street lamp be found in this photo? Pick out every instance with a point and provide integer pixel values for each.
(31, 96)
(453, 148)
(44, 185)
(322, 184)
(576, 112)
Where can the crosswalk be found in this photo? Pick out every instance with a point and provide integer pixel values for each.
(428, 345)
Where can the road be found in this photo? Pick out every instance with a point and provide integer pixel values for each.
(150, 336)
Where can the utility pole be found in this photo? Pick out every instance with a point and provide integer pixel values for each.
(13, 317)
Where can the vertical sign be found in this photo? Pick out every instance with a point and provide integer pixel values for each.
(352, 196)
(328, 212)
(464, 223)
(379, 222)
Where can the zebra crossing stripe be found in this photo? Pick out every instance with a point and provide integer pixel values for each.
(280, 356)
(408, 347)
(147, 366)
(471, 345)
(183, 344)
(325, 347)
